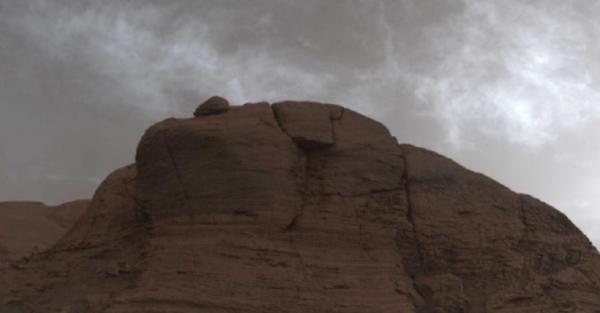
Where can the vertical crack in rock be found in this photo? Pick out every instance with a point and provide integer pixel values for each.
(278, 121)
(141, 214)
(304, 195)
(332, 118)
(175, 168)
(411, 220)
(304, 155)
(409, 213)
(305, 151)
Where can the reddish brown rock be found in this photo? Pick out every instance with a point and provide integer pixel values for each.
(307, 123)
(214, 105)
(265, 209)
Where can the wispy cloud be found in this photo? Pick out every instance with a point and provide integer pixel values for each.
(517, 68)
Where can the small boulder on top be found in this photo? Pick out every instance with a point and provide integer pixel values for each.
(214, 105)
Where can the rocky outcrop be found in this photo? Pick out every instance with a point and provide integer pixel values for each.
(305, 207)
(309, 125)
(214, 105)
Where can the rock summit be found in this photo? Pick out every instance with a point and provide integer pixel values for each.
(214, 105)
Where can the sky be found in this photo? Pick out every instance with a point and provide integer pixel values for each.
(508, 88)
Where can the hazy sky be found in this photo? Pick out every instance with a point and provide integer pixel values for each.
(509, 88)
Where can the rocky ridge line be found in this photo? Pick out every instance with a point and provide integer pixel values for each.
(306, 207)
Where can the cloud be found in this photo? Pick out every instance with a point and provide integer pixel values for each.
(520, 68)
(485, 55)
(159, 50)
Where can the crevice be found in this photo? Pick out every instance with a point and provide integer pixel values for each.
(292, 225)
(299, 139)
(142, 216)
(304, 194)
(278, 121)
(418, 246)
(331, 121)
(305, 156)
(410, 213)
(175, 167)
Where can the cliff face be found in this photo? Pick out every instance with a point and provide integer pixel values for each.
(305, 207)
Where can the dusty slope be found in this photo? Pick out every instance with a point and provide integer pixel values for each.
(27, 227)
(305, 207)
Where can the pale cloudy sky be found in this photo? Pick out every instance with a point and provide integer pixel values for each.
(509, 88)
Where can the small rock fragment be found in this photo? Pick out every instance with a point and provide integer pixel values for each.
(214, 105)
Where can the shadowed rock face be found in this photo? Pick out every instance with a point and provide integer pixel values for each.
(305, 207)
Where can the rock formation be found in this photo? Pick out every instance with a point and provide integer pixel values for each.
(214, 105)
(305, 207)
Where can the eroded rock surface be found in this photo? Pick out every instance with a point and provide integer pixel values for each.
(305, 207)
